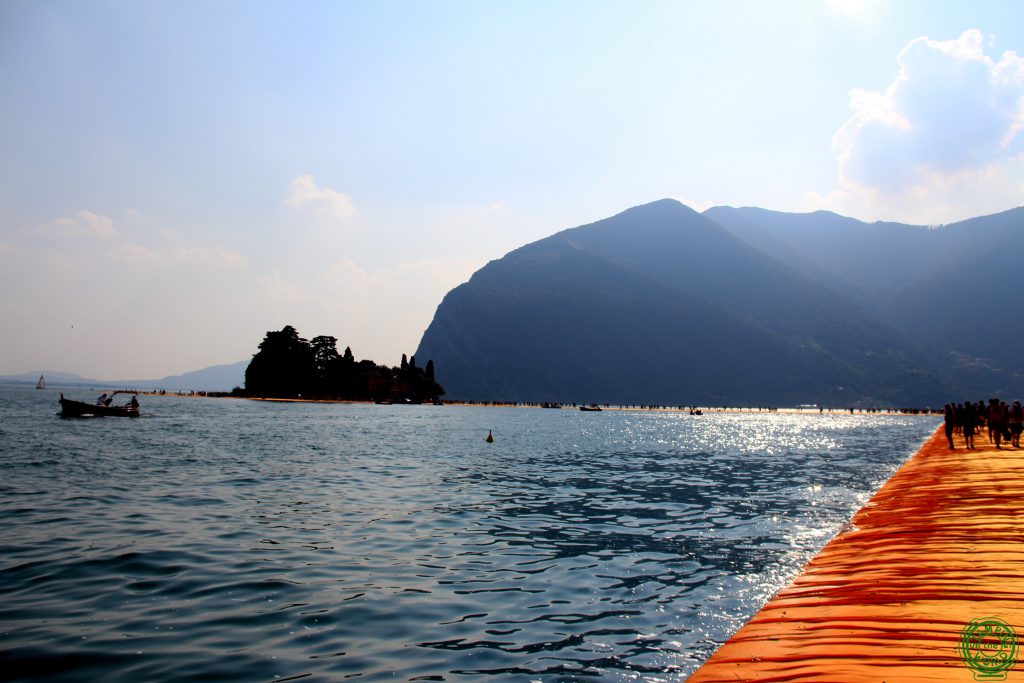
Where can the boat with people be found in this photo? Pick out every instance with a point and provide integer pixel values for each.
(592, 408)
(102, 407)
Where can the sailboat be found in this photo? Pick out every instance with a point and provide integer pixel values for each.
(41, 384)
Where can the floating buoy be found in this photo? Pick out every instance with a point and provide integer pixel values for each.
(490, 437)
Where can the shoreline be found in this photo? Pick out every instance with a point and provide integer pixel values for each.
(572, 407)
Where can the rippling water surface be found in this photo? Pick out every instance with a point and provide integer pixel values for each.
(251, 541)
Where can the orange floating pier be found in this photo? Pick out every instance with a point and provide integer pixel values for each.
(888, 599)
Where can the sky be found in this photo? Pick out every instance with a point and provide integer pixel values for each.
(179, 177)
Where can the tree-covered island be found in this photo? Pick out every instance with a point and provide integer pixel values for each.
(288, 366)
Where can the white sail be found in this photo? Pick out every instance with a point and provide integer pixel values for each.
(41, 384)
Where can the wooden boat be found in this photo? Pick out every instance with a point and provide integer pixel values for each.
(69, 408)
(592, 408)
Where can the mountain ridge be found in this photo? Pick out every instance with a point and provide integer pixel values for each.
(817, 296)
(222, 377)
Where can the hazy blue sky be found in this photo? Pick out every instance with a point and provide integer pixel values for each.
(178, 177)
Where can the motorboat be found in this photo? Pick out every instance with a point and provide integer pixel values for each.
(103, 407)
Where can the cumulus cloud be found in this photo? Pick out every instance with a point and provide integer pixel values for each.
(306, 195)
(87, 223)
(952, 111)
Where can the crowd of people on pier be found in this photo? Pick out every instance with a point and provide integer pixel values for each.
(1004, 423)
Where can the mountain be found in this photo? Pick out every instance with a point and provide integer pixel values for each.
(661, 304)
(845, 252)
(214, 378)
(953, 288)
(971, 304)
(53, 378)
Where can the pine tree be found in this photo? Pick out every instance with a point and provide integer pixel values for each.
(326, 364)
(282, 367)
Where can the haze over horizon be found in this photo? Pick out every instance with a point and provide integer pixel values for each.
(179, 178)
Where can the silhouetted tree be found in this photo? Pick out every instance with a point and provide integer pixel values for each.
(428, 386)
(282, 367)
(327, 365)
(287, 365)
(345, 387)
(416, 384)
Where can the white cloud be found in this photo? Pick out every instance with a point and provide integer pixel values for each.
(943, 142)
(698, 205)
(937, 199)
(951, 109)
(205, 257)
(86, 223)
(306, 195)
(279, 292)
(139, 255)
(209, 256)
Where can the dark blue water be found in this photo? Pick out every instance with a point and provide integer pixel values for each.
(225, 540)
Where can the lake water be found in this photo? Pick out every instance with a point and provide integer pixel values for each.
(227, 540)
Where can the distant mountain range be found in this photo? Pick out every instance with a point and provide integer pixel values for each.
(661, 304)
(214, 378)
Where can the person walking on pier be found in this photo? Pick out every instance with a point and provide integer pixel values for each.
(1016, 423)
(997, 418)
(968, 425)
(950, 420)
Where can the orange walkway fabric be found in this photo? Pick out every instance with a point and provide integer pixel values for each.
(940, 544)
